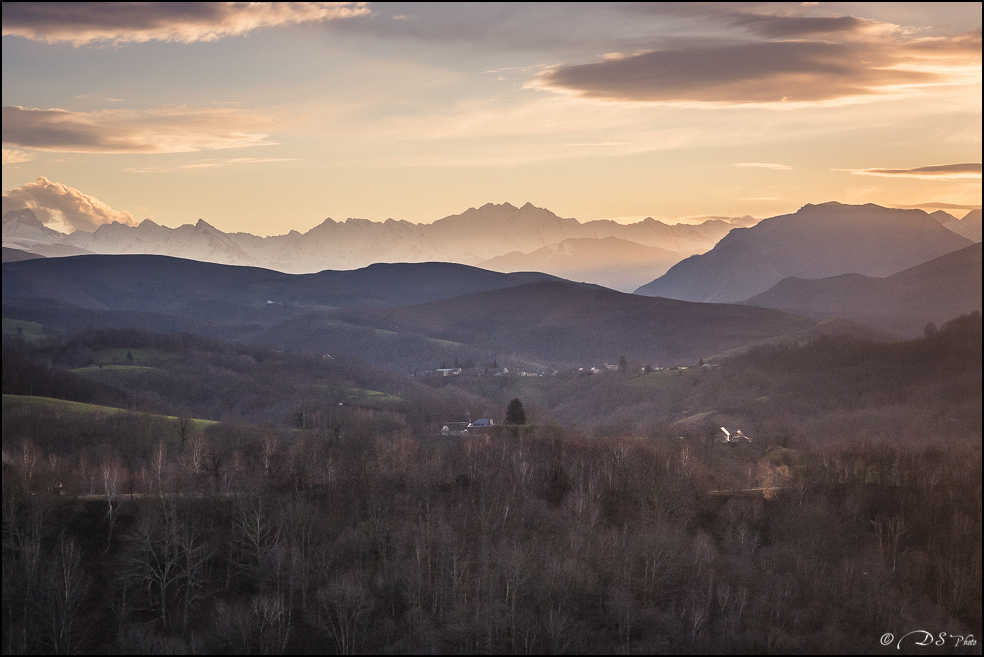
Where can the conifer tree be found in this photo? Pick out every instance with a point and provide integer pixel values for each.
(515, 413)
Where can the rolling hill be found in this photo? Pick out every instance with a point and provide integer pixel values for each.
(162, 284)
(903, 303)
(556, 324)
(16, 255)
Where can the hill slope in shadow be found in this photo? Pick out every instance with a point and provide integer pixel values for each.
(902, 303)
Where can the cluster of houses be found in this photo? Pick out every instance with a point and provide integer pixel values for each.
(480, 426)
(736, 438)
(587, 371)
(488, 371)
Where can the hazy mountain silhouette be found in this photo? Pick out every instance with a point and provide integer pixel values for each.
(902, 303)
(969, 226)
(815, 242)
(467, 238)
(609, 261)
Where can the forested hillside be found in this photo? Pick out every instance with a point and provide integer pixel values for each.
(325, 513)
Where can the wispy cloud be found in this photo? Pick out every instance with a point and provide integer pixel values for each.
(933, 172)
(212, 164)
(81, 23)
(179, 129)
(13, 157)
(761, 165)
(58, 204)
(602, 143)
(940, 206)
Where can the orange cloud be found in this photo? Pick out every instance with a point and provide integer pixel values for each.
(138, 22)
(213, 164)
(934, 172)
(762, 165)
(13, 157)
(180, 129)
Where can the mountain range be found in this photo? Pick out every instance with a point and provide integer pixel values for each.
(472, 237)
(889, 269)
(817, 241)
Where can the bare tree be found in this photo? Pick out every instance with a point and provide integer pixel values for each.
(112, 473)
(68, 585)
(167, 564)
(344, 608)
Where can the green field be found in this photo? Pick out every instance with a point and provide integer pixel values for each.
(95, 369)
(370, 398)
(124, 375)
(29, 331)
(60, 406)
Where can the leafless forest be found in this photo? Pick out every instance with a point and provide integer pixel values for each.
(339, 528)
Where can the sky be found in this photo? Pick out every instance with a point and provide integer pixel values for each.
(268, 117)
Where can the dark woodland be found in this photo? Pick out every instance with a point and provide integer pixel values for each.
(204, 496)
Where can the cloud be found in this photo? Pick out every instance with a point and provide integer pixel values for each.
(940, 206)
(800, 60)
(761, 165)
(54, 203)
(773, 26)
(766, 72)
(213, 163)
(81, 23)
(12, 157)
(179, 129)
(934, 172)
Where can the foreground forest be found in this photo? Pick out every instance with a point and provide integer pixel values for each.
(168, 493)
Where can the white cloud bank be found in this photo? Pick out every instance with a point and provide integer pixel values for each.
(62, 206)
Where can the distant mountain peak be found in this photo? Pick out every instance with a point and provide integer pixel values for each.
(868, 239)
(942, 216)
(24, 217)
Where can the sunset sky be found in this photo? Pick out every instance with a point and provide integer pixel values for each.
(271, 117)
